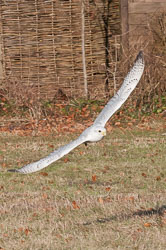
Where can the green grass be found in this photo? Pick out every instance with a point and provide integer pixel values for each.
(121, 209)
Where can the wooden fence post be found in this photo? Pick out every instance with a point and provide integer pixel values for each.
(1, 48)
(1, 57)
(124, 24)
(83, 49)
(1, 68)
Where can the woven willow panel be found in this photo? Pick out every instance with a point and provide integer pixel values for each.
(41, 44)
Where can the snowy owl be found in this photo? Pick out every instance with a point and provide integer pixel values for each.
(97, 130)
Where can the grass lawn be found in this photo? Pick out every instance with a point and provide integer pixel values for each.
(109, 195)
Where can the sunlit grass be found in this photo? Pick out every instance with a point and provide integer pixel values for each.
(108, 195)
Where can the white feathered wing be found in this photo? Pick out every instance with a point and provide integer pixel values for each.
(54, 156)
(129, 84)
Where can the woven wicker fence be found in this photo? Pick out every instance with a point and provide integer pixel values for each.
(41, 44)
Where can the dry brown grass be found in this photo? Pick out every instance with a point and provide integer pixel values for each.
(110, 195)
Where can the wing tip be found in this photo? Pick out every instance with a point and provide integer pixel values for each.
(13, 170)
(140, 55)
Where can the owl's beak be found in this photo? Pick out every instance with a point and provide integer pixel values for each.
(104, 133)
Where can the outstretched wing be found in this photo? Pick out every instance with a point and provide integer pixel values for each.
(54, 156)
(129, 84)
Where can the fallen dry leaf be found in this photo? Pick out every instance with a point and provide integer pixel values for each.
(66, 160)
(117, 123)
(147, 224)
(43, 173)
(100, 200)
(94, 177)
(81, 152)
(75, 206)
(45, 196)
(144, 175)
(27, 231)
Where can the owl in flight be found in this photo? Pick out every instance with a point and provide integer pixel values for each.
(97, 130)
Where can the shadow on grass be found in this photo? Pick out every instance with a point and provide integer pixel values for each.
(159, 211)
